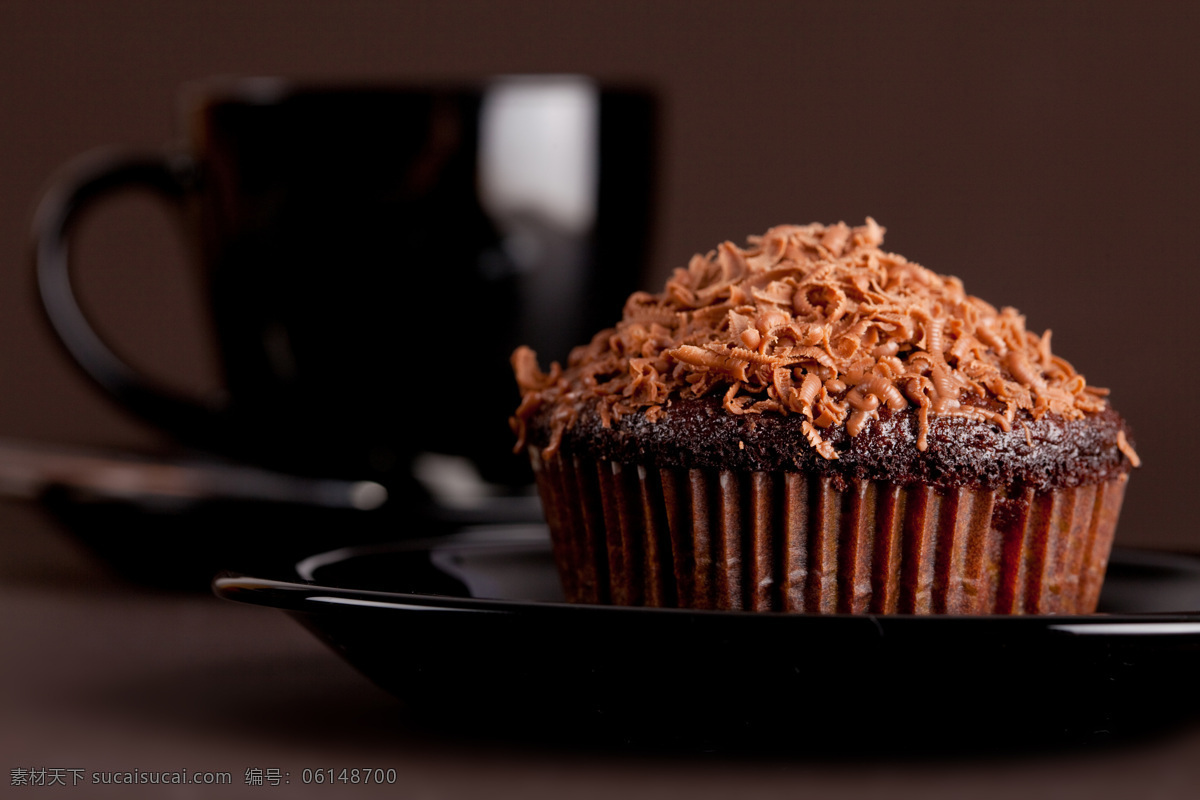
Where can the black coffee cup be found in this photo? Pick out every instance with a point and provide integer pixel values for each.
(372, 256)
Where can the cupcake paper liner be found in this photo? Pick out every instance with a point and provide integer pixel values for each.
(783, 541)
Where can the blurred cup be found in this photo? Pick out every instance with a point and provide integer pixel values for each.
(372, 255)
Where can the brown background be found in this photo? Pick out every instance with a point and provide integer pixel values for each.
(1046, 152)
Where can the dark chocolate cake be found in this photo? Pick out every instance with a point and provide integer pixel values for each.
(1042, 454)
(813, 424)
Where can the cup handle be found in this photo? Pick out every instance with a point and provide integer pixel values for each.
(81, 184)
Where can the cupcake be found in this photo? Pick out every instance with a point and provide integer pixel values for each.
(812, 424)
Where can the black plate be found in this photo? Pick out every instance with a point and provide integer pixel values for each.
(471, 632)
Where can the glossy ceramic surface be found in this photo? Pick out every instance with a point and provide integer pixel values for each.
(470, 631)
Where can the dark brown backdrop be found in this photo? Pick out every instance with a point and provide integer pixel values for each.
(1046, 152)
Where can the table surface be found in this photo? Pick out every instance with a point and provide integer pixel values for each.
(102, 676)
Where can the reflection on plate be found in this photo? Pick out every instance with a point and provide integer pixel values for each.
(172, 520)
(471, 632)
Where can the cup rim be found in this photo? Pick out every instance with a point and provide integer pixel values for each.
(271, 89)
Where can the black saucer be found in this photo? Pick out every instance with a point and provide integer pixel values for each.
(471, 632)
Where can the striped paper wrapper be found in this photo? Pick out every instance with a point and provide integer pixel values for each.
(786, 541)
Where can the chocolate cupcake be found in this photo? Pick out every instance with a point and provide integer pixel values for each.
(813, 424)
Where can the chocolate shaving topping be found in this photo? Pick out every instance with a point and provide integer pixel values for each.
(815, 322)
